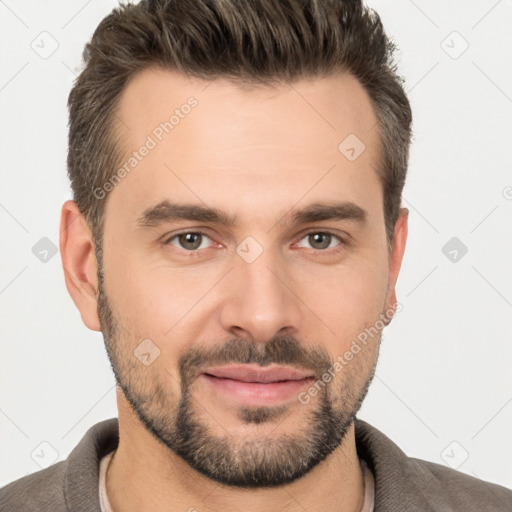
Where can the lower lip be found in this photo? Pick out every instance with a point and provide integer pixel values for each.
(256, 393)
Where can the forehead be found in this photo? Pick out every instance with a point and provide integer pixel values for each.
(326, 107)
(219, 143)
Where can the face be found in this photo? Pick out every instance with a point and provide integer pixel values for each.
(292, 280)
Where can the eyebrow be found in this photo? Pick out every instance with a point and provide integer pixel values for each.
(167, 211)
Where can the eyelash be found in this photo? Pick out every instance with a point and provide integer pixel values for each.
(334, 250)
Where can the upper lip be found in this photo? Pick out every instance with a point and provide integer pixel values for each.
(257, 373)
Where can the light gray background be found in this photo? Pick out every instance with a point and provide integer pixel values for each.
(443, 386)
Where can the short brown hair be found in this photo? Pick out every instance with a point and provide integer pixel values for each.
(249, 42)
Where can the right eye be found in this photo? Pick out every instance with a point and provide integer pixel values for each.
(190, 241)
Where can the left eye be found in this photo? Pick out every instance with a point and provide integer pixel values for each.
(322, 238)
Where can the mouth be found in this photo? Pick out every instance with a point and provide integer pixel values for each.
(256, 385)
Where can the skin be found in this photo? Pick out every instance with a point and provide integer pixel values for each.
(257, 153)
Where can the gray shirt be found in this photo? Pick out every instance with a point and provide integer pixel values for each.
(401, 483)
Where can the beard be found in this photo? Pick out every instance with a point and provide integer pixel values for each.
(253, 460)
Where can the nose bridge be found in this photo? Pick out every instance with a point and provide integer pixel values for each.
(260, 277)
(260, 300)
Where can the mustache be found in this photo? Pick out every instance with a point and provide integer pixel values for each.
(283, 350)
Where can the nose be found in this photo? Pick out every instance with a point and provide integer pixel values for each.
(260, 300)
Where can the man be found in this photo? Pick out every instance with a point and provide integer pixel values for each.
(236, 234)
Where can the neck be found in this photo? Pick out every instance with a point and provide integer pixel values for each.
(145, 475)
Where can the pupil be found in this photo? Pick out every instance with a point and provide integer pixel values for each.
(326, 239)
(189, 239)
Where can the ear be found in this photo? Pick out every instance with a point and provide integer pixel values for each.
(395, 257)
(77, 251)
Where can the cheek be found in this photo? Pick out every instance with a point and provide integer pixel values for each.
(348, 298)
(155, 301)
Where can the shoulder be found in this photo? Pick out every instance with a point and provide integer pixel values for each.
(68, 485)
(406, 483)
(438, 483)
(41, 491)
